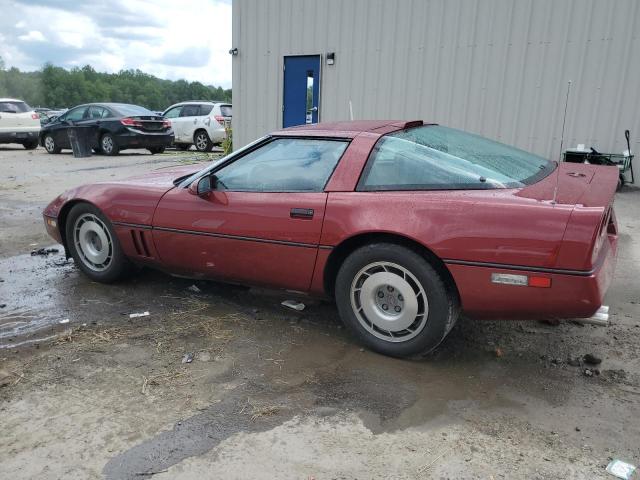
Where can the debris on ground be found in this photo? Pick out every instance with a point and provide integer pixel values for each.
(591, 359)
(574, 362)
(188, 358)
(141, 314)
(499, 352)
(63, 321)
(299, 306)
(590, 372)
(621, 469)
(43, 251)
(194, 289)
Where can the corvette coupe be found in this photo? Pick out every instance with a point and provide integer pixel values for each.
(404, 224)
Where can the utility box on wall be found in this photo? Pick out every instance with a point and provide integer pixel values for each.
(498, 68)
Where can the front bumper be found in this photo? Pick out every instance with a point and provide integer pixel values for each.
(570, 295)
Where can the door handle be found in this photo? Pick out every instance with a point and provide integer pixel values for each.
(301, 213)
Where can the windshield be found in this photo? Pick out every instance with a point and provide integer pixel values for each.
(134, 110)
(436, 157)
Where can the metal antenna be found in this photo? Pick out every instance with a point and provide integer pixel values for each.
(564, 120)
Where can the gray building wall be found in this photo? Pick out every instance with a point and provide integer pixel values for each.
(499, 68)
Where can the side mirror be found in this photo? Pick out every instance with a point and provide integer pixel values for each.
(201, 187)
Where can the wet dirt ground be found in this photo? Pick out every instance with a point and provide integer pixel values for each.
(273, 393)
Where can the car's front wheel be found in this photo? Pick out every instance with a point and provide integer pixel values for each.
(108, 145)
(202, 141)
(394, 301)
(94, 245)
(31, 144)
(50, 144)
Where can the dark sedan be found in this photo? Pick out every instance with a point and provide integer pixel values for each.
(110, 127)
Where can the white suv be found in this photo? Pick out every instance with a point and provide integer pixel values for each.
(199, 123)
(18, 123)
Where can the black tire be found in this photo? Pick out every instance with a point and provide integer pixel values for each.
(441, 306)
(31, 144)
(202, 141)
(108, 145)
(156, 150)
(182, 146)
(117, 267)
(50, 145)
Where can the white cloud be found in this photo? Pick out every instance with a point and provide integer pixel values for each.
(170, 39)
(32, 36)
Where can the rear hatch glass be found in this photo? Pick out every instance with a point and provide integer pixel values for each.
(14, 107)
(225, 110)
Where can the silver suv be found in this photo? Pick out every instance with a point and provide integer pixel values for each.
(199, 123)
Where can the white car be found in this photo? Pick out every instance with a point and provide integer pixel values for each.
(19, 123)
(199, 123)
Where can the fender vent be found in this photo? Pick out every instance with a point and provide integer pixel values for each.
(140, 242)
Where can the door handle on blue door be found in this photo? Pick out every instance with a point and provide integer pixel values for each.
(301, 213)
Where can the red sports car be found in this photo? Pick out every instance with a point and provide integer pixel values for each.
(405, 224)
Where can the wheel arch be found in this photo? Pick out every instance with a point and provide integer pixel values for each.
(341, 251)
(62, 219)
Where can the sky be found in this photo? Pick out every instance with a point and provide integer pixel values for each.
(173, 39)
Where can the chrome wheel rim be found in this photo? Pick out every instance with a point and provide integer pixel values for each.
(49, 144)
(389, 302)
(107, 144)
(201, 141)
(93, 242)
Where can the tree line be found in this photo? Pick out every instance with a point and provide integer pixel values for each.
(56, 87)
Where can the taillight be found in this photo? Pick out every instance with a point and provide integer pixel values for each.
(35, 116)
(130, 122)
(219, 119)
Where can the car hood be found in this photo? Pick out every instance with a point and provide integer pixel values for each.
(132, 200)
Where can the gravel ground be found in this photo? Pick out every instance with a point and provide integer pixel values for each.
(273, 393)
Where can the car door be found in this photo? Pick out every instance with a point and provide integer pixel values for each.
(262, 222)
(93, 118)
(187, 120)
(60, 133)
(173, 115)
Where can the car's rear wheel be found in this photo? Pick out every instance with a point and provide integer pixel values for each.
(394, 301)
(155, 150)
(50, 145)
(94, 245)
(108, 145)
(202, 141)
(31, 144)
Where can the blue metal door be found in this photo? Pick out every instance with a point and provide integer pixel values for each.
(301, 90)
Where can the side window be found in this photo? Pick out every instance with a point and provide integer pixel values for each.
(76, 114)
(174, 112)
(205, 109)
(190, 111)
(96, 112)
(283, 165)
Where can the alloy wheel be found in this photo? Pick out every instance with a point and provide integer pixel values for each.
(107, 144)
(93, 242)
(49, 144)
(202, 141)
(389, 301)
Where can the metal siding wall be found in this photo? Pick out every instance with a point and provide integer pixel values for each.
(496, 67)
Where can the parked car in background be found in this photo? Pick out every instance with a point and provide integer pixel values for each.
(112, 127)
(199, 123)
(48, 114)
(19, 123)
(403, 223)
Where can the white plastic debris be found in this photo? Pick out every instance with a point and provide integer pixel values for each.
(136, 315)
(621, 469)
(194, 288)
(299, 306)
(188, 358)
(62, 322)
